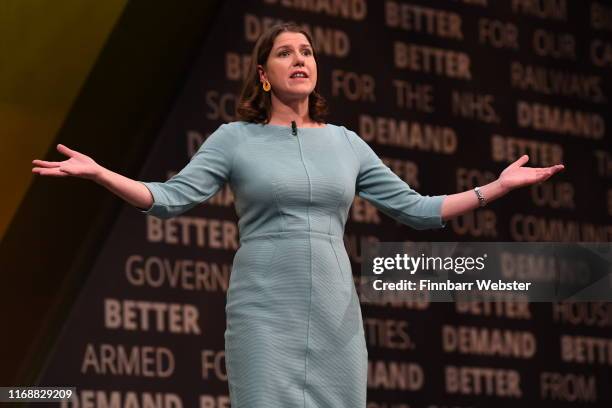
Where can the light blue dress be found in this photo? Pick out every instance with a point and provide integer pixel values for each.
(294, 333)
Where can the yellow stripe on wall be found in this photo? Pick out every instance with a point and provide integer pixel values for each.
(47, 49)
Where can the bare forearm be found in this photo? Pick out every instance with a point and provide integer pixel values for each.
(460, 203)
(132, 191)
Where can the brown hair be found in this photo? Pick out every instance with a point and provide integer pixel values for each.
(255, 105)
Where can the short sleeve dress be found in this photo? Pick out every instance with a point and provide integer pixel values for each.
(294, 334)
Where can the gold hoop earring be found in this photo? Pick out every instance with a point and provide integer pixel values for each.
(266, 86)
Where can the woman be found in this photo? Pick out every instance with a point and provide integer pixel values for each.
(294, 333)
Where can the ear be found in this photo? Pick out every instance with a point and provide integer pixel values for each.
(261, 72)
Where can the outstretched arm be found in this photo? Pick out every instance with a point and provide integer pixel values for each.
(80, 165)
(207, 171)
(513, 176)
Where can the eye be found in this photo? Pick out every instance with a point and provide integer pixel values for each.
(306, 51)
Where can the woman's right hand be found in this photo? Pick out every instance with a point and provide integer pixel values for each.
(80, 165)
(77, 165)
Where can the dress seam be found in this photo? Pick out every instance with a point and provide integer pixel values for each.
(234, 154)
(337, 260)
(310, 297)
(331, 215)
(352, 148)
(284, 225)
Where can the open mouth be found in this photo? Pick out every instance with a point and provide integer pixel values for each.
(299, 75)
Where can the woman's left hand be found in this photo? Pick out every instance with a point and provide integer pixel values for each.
(515, 175)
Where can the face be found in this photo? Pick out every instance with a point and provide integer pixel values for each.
(290, 53)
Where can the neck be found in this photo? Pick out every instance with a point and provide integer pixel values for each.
(285, 112)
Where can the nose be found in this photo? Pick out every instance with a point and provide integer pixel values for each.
(299, 59)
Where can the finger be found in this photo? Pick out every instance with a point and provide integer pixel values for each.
(555, 169)
(535, 175)
(520, 161)
(54, 172)
(67, 151)
(558, 167)
(549, 172)
(44, 163)
(548, 175)
(66, 170)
